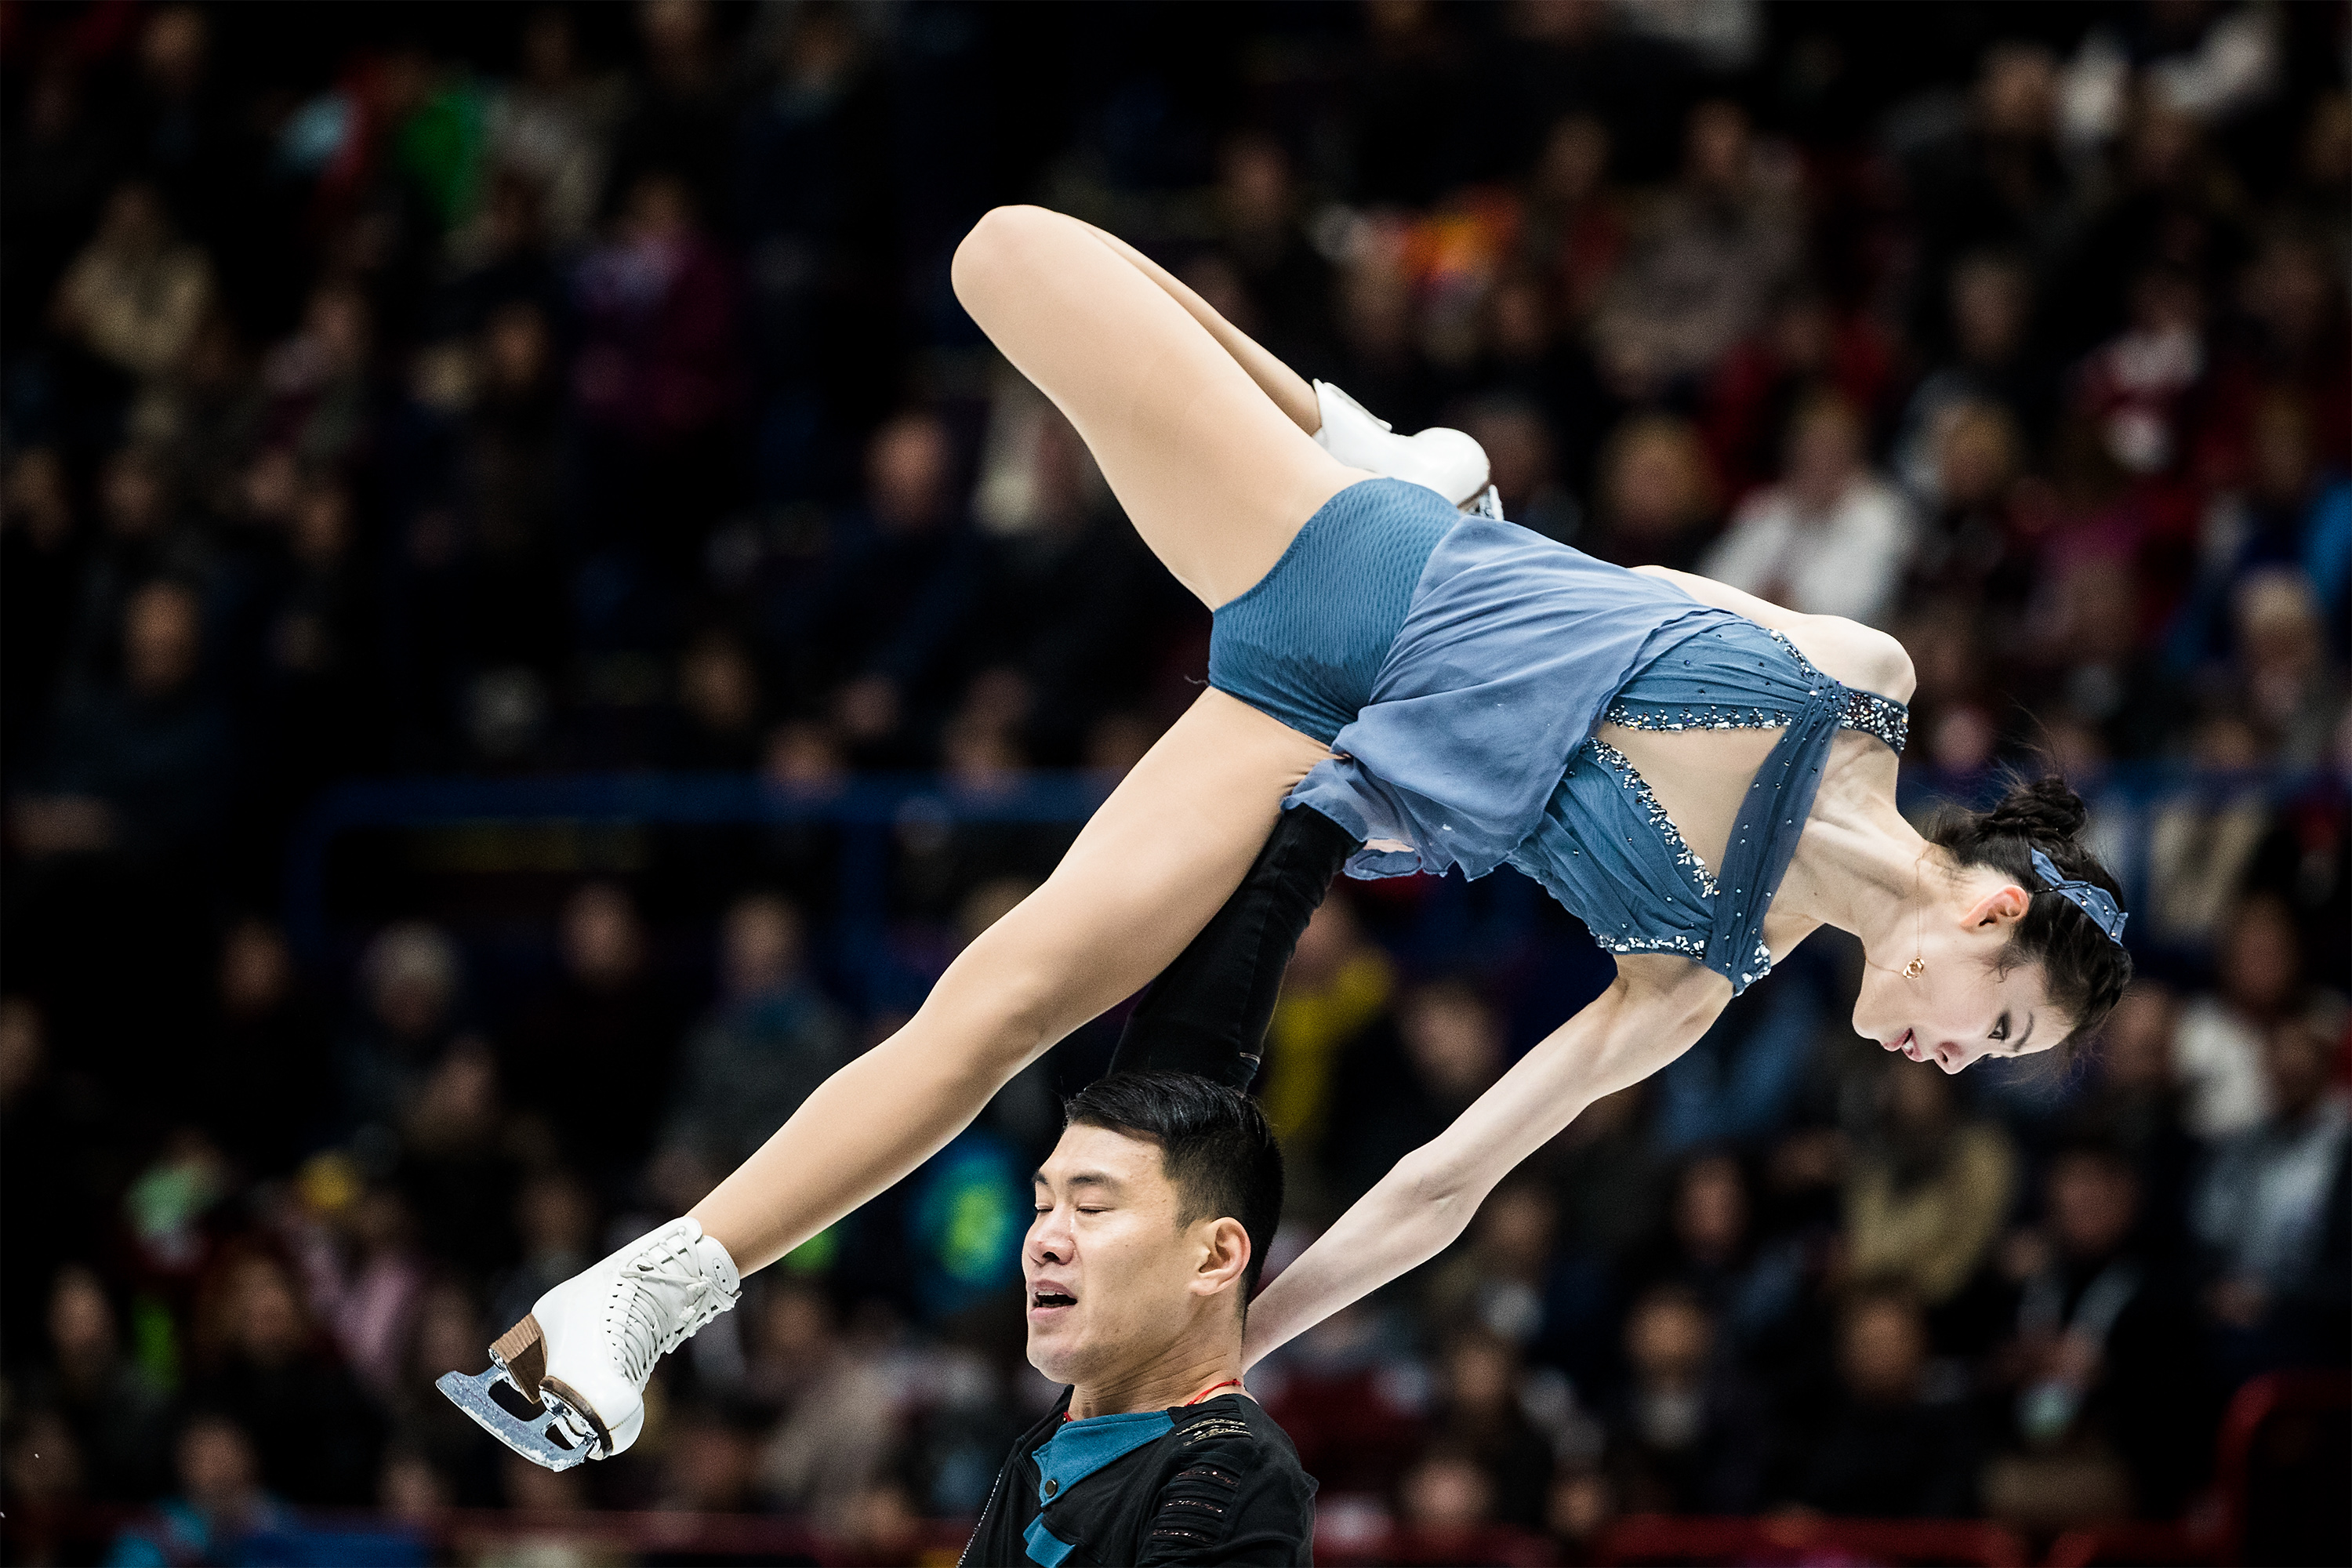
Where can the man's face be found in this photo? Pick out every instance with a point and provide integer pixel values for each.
(1113, 1280)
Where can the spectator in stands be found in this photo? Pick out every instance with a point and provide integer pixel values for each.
(609, 1011)
(136, 294)
(897, 593)
(2135, 1106)
(459, 1168)
(1968, 543)
(1285, 281)
(1337, 997)
(1657, 500)
(1398, 1091)
(2136, 387)
(267, 1081)
(1523, 465)
(1506, 1281)
(1994, 181)
(1927, 1197)
(1447, 1499)
(119, 1418)
(2217, 1048)
(1803, 347)
(1890, 1449)
(1750, 1286)
(2285, 688)
(656, 376)
(221, 1515)
(555, 1222)
(262, 1361)
(835, 1409)
(1478, 1412)
(147, 535)
(1993, 359)
(1687, 1434)
(552, 125)
(321, 395)
(773, 1037)
(141, 762)
(712, 1461)
(1068, 586)
(1699, 275)
(365, 1276)
(2274, 1216)
(682, 105)
(409, 984)
(1830, 538)
(40, 551)
(2089, 1373)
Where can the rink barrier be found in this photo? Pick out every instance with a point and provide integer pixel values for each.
(866, 809)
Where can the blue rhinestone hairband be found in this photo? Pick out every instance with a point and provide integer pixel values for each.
(2096, 902)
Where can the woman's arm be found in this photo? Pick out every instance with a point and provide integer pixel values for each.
(1862, 657)
(1655, 1009)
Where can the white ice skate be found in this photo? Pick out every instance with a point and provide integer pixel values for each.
(567, 1383)
(1447, 461)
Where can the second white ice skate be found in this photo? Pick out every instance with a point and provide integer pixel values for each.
(567, 1383)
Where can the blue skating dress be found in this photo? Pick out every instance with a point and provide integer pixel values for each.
(1459, 667)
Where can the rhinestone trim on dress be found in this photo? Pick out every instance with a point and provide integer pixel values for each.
(1639, 788)
(1866, 711)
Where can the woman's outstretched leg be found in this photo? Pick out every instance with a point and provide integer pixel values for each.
(1150, 869)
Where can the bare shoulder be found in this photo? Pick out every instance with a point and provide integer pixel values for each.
(1855, 655)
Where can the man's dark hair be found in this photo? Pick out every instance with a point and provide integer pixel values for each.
(1214, 1144)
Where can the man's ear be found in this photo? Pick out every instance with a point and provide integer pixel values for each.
(2001, 906)
(1225, 1255)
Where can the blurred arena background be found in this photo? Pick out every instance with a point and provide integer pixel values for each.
(534, 626)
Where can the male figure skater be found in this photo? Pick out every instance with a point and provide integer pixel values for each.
(1154, 1212)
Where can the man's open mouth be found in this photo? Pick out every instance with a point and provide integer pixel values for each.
(1047, 1298)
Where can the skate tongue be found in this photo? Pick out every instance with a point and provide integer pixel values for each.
(491, 1399)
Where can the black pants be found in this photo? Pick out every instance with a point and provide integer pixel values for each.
(1208, 1010)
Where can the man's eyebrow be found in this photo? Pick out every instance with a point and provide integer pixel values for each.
(2018, 1049)
(1081, 1179)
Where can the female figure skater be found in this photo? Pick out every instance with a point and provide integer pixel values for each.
(1702, 776)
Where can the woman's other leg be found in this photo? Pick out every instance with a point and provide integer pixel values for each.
(1291, 392)
(1214, 473)
(1146, 874)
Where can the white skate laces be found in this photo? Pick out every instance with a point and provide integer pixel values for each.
(567, 1383)
(1447, 461)
(666, 1294)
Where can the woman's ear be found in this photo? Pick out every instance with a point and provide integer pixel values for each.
(2001, 907)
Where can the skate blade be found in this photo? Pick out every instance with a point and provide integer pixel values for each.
(540, 1438)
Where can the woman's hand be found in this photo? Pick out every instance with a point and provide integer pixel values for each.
(1655, 1010)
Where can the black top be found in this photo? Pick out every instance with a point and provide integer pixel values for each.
(1212, 1482)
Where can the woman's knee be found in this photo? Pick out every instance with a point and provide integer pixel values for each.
(995, 248)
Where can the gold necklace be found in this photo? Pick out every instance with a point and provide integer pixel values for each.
(1919, 964)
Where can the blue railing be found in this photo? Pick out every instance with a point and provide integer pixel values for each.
(866, 810)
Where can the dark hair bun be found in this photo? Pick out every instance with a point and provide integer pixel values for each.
(2046, 811)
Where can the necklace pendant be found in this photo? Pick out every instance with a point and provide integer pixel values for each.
(1915, 968)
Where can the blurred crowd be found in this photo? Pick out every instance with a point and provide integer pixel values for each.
(548, 390)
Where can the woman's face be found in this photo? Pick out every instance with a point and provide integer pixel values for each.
(1960, 1007)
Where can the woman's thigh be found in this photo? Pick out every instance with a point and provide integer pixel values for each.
(1145, 875)
(1213, 474)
